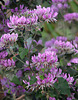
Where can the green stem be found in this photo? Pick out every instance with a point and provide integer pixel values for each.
(16, 57)
(14, 97)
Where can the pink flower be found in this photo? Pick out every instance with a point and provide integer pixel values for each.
(52, 98)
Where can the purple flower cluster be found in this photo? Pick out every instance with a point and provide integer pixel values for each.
(44, 60)
(8, 38)
(49, 79)
(3, 22)
(19, 73)
(8, 85)
(7, 63)
(52, 98)
(71, 16)
(61, 44)
(71, 97)
(22, 9)
(61, 1)
(75, 42)
(64, 47)
(6, 4)
(16, 21)
(74, 60)
(45, 13)
(50, 43)
(3, 17)
(3, 54)
(62, 38)
(59, 4)
(51, 49)
(31, 17)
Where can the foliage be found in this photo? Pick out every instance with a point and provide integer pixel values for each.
(39, 49)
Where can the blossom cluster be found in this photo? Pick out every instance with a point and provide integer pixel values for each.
(6, 83)
(71, 16)
(45, 13)
(3, 54)
(44, 60)
(61, 1)
(52, 98)
(3, 17)
(7, 63)
(49, 79)
(31, 17)
(59, 4)
(62, 38)
(3, 22)
(64, 47)
(19, 73)
(61, 44)
(51, 42)
(7, 2)
(73, 61)
(75, 42)
(71, 97)
(68, 98)
(16, 21)
(40, 71)
(21, 10)
(8, 38)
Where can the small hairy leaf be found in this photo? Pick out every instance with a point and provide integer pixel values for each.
(23, 52)
(62, 86)
(33, 80)
(15, 80)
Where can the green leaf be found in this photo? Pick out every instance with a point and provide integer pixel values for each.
(33, 80)
(62, 86)
(61, 62)
(76, 83)
(76, 55)
(51, 94)
(23, 52)
(39, 47)
(45, 4)
(38, 94)
(34, 43)
(9, 91)
(20, 49)
(14, 58)
(43, 69)
(39, 2)
(71, 71)
(15, 80)
(73, 6)
(42, 77)
(19, 64)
